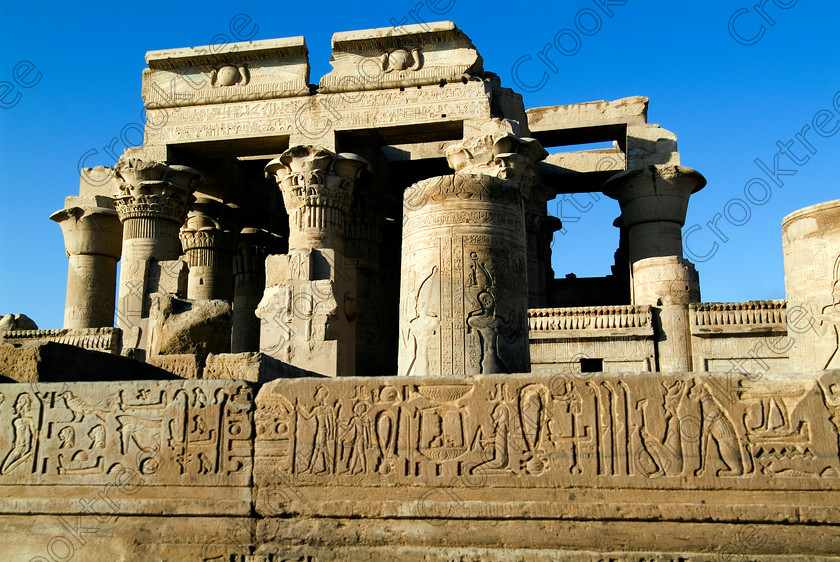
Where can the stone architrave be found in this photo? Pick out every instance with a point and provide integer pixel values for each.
(463, 294)
(668, 284)
(653, 201)
(152, 203)
(93, 241)
(411, 55)
(308, 309)
(208, 246)
(811, 245)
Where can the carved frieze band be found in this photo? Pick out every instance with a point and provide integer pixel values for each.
(167, 433)
(650, 430)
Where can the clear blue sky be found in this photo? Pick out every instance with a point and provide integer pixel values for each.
(728, 101)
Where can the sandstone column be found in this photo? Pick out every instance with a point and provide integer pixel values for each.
(811, 245)
(539, 232)
(653, 204)
(249, 284)
(464, 287)
(308, 309)
(93, 240)
(668, 284)
(363, 241)
(208, 249)
(152, 204)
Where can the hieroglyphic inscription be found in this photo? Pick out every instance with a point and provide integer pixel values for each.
(601, 430)
(175, 433)
(313, 116)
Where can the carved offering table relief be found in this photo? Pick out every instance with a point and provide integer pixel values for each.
(463, 293)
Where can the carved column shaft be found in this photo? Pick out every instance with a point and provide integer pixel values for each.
(463, 293)
(308, 309)
(539, 232)
(811, 244)
(362, 243)
(653, 204)
(668, 285)
(249, 284)
(152, 205)
(93, 240)
(208, 250)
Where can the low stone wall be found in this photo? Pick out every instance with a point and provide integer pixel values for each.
(96, 339)
(621, 337)
(740, 337)
(497, 467)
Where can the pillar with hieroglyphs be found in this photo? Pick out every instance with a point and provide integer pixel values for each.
(464, 288)
(151, 202)
(308, 309)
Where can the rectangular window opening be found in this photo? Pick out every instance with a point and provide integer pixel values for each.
(588, 365)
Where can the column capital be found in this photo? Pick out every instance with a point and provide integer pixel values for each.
(90, 230)
(498, 154)
(317, 186)
(654, 193)
(206, 227)
(153, 189)
(654, 200)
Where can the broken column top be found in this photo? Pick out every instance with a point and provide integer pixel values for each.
(411, 55)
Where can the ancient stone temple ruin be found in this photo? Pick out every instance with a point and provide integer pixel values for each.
(337, 334)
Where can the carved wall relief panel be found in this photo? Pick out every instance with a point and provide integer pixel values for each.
(166, 433)
(649, 431)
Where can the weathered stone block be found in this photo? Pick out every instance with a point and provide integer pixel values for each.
(183, 365)
(51, 362)
(154, 447)
(182, 326)
(252, 367)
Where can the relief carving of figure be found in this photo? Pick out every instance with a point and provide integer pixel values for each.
(666, 454)
(357, 432)
(488, 324)
(423, 325)
(23, 428)
(321, 460)
(718, 430)
(67, 437)
(830, 315)
(97, 437)
(497, 445)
